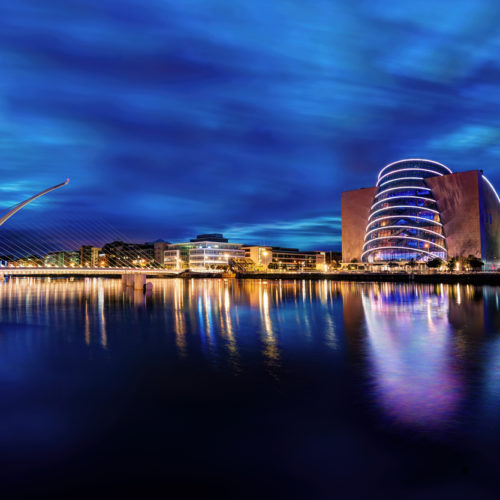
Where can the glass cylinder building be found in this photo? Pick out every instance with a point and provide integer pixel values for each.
(404, 222)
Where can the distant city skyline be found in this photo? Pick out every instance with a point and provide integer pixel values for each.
(245, 118)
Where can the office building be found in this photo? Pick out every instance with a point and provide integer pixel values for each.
(285, 259)
(121, 254)
(89, 256)
(62, 259)
(159, 251)
(205, 252)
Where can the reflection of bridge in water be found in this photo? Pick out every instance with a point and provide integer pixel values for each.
(131, 277)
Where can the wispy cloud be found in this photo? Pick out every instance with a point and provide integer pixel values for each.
(315, 232)
(171, 116)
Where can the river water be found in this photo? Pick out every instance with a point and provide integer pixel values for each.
(249, 389)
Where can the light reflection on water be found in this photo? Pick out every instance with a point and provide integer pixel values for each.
(416, 345)
(410, 349)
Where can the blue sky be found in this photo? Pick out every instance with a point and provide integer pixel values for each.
(178, 117)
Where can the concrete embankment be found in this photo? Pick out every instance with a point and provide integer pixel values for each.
(465, 278)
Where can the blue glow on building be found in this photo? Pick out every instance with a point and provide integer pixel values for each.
(404, 221)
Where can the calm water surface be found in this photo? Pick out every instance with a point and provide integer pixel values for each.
(245, 389)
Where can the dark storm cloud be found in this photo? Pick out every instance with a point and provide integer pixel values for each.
(173, 118)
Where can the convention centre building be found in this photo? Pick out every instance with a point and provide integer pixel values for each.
(420, 210)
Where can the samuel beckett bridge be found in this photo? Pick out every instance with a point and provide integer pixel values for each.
(26, 254)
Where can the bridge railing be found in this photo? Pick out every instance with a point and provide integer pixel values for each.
(11, 270)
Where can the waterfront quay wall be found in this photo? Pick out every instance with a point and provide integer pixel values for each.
(479, 278)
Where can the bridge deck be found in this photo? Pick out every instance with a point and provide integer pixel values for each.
(82, 271)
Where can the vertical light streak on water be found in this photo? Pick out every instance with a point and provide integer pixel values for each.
(410, 350)
(264, 309)
(219, 300)
(307, 298)
(9, 299)
(330, 336)
(102, 317)
(46, 300)
(207, 306)
(180, 326)
(274, 296)
(87, 323)
(296, 287)
(270, 352)
(27, 305)
(39, 302)
(221, 323)
(232, 345)
(201, 324)
(324, 292)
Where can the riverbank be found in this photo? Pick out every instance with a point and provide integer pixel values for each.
(480, 278)
(464, 278)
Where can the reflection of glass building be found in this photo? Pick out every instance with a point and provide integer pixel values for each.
(410, 347)
(404, 221)
(420, 209)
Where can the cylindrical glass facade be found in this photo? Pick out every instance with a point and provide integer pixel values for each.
(404, 221)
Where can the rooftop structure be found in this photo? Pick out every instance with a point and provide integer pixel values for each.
(210, 237)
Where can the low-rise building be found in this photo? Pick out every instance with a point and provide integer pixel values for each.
(62, 259)
(159, 251)
(6, 260)
(333, 259)
(173, 259)
(121, 254)
(206, 251)
(89, 256)
(285, 259)
(261, 256)
(28, 261)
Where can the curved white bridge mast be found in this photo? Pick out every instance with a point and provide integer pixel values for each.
(11, 212)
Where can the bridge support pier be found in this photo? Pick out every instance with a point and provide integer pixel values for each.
(139, 281)
(128, 280)
(136, 280)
